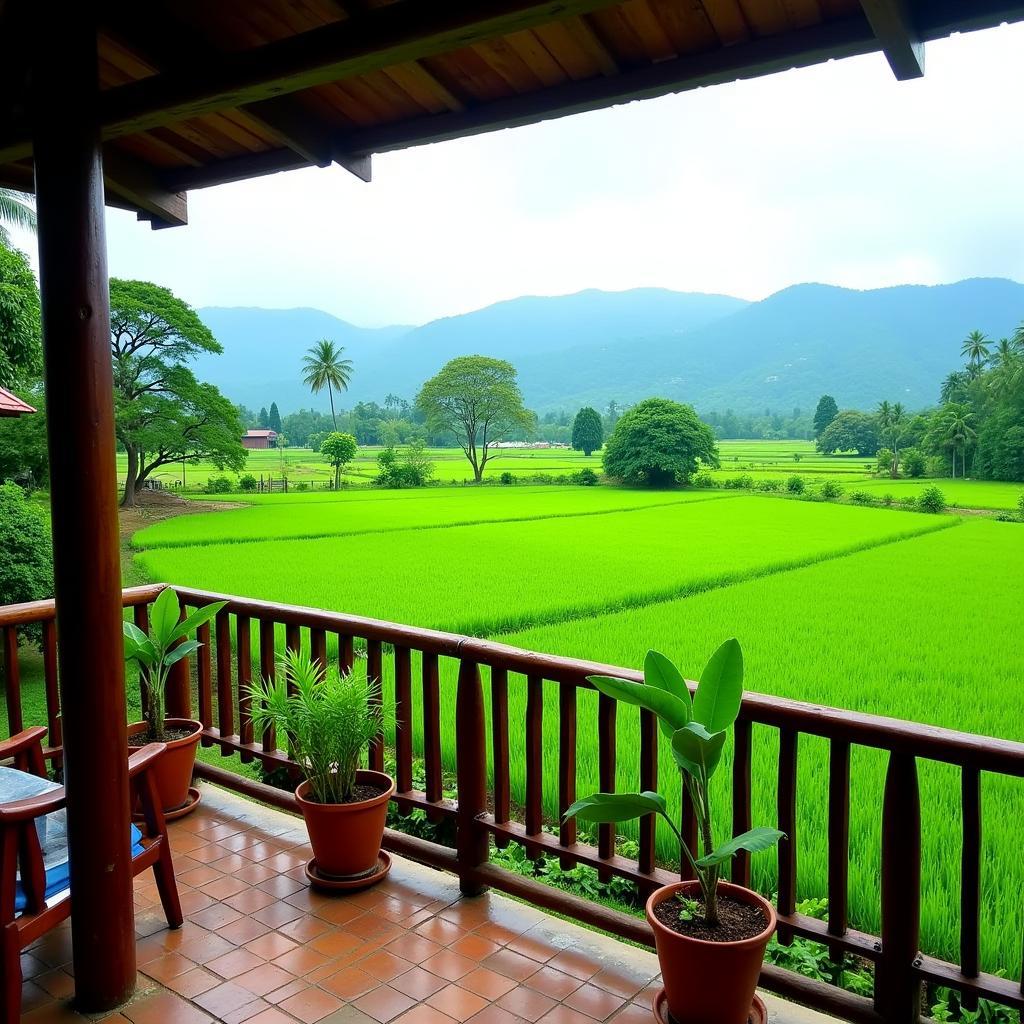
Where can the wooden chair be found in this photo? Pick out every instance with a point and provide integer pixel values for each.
(37, 900)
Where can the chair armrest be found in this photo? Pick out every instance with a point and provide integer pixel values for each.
(31, 807)
(22, 742)
(142, 759)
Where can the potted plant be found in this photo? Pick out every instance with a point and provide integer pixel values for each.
(155, 652)
(711, 935)
(329, 720)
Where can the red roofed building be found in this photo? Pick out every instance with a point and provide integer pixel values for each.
(12, 405)
(260, 439)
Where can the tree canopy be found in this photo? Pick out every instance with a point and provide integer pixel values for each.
(659, 442)
(851, 431)
(824, 414)
(26, 570)
(587, 432)
(24, 457)
(21, 357)
(340, 450)
(274, 418)
(323, 366)
(477, 399)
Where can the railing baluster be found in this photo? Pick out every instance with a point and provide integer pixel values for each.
(648, 780)
(432, 727)
(788, 739)
(741, 814)
(53, 721)
(293, 637)
(566, 766)
(140, 616)
(970, 878)
(606, 750)
(838, 840)
(346, 654)
(318, 647)
(403, 719)
(499, 749)
(897, 985)
(244, 666)
(375, 673)
(225, 696)
(12, 681)
(205, 678)
(471, 775)
(534, 755)
(268, 670)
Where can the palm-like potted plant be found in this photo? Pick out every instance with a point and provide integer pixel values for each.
(329, 719)
(155, 652)
(711, 935)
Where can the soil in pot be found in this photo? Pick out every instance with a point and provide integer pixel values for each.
(363, 791)
(736, 920)
(139, 740)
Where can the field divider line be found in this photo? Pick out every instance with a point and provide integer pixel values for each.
(319, 535)
(664, 595)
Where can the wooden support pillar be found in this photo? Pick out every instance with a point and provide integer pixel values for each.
(80, 427)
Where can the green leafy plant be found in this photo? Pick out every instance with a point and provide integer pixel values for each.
(697, 728)
(163, 647)
(830, 490)
(329, 718)
(795, 485)
(932, 500)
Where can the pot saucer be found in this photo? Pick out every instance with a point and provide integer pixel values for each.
(332, 883)
(758, 1012)
(190, 804)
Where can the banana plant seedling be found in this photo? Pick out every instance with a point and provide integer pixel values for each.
(697, 730)
(156, 652)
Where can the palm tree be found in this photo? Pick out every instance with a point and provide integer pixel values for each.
(15, 209)
(958, 433)
(953, 387)
(1005, 352)
(323, 367)
(975, 350)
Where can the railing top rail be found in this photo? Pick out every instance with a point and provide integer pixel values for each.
(926, 741)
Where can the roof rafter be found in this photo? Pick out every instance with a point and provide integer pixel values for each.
(136, 185)
(892, 23)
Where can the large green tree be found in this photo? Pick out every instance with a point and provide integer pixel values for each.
(477, 399)
(339, 450)
(587, 432)
(324, 366)
(824, 414)
(21, 356)
(274, 418)
(24, 457)
(659, 442)
(975, 350)
(851, 431)
(153, 334)
(26, 568)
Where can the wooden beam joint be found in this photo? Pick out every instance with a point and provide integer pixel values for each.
(893, 25)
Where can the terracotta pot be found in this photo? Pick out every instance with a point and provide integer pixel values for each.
(709, 982)
(346, 838)
(173, 770)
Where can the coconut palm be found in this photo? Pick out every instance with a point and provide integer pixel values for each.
(975, 349)
(953, 387)
(16, 210)
(958, 433)
(324, 367)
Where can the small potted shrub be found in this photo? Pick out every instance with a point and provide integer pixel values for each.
(328, 719)
(711, 935)
(155, 652)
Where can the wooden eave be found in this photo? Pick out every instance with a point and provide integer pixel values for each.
(198, 94)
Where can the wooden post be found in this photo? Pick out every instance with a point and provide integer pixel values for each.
(471, 769)
(87, 571)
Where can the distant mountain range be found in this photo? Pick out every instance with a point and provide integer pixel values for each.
(714, 351)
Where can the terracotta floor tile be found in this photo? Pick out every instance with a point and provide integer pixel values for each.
(32, 967)
(215, 916)
(512, 965)
(244, 930)
(526, 1003)
(263, 979)
(553, 983)
(164, 1008)
(494, 1014)
(294, 987)
(633, 1013)
(419, 983)
(224, 998)
(384, 966)
(271, 1015)
(167, 966)
(193, 901)
(280, 886)
(230, 965)
(335, 942)
(205, 947)
(449, 965)
(370, 927)
(439, 930)
(458, 1003)
(310, 1006)
(488, 984)
(223, 887)
(476, 947)
(56, 983)
(32, 997)
(498, 933)
(412, 947)
(301, 961)
(271, 945)
(199, 876)
(349, 983)
(245, 1013)
(253, 873)
(277, 914)
(621, 980)
(565, 1015)
(193, 982)
(339, 912)
(424, 1014)
(230, 864)
(594, 1002)
(385, 1003)
(579, 965)
(533, 947)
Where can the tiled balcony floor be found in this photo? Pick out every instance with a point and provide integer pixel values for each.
(259, 946)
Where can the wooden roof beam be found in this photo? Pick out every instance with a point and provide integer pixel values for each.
(892, 23)
(133, 184)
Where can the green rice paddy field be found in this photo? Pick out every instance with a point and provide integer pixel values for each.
(877, 610)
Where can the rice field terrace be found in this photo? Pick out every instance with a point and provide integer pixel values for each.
(873, 609)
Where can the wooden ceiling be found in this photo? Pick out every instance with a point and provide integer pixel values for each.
(200, 92)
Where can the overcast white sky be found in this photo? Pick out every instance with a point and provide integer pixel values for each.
(836, 173)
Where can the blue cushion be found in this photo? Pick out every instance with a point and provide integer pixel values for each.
(16, 785)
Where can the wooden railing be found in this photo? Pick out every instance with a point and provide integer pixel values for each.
(214, 689)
